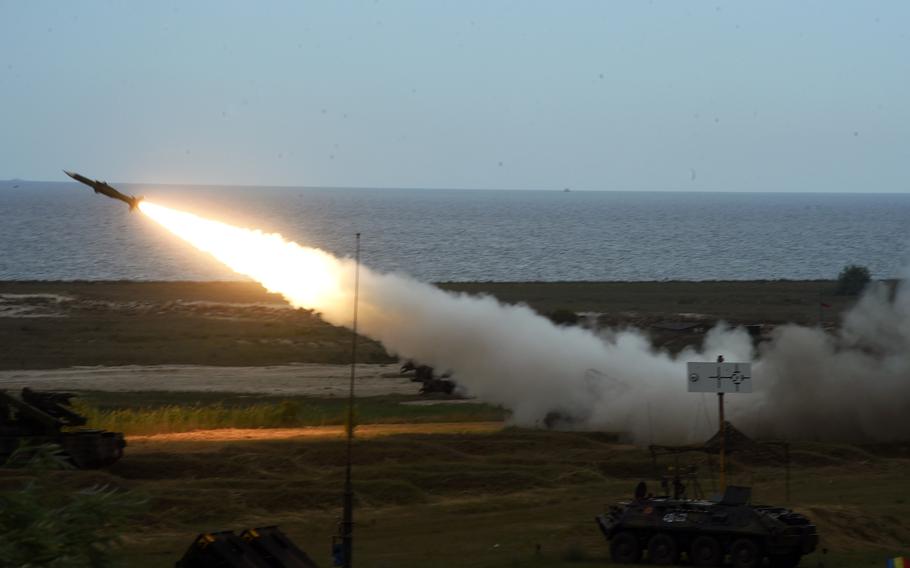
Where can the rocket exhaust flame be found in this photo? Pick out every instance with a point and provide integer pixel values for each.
(855, 386)
(306, 277)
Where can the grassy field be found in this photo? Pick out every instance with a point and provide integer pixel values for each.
(459, 496)
(473, 500)
(450, 487)
(138, 323)
(164, 412)
(762, 301)
(455, 497)
(238, 323)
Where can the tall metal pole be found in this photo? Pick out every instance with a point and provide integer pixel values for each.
(787, 479)
(347, 523)
(820, 305)
(723, 442)
(723, 434)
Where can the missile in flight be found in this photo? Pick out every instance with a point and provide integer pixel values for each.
(105, 189)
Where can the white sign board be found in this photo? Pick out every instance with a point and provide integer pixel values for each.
(719, 377)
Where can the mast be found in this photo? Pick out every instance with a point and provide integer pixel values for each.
(347, 523)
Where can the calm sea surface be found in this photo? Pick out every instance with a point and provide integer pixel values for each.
(63, 231)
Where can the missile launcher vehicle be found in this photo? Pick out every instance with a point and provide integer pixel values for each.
(35, 418)
(426, 376)
(264, 547)
(664, 529)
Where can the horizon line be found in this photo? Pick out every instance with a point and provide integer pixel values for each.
(438, 188)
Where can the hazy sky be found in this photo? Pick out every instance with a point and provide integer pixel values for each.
(783, 96)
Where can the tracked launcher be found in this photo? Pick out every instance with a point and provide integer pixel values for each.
(34, 418)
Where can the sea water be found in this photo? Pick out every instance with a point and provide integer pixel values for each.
(54, 231)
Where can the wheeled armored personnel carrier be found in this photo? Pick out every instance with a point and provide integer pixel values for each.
(34, 418)
(663, 529)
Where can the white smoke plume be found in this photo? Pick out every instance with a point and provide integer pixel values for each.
(853, 386)
(808, 385)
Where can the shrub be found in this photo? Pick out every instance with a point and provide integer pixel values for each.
(46, 524)
(852, 279)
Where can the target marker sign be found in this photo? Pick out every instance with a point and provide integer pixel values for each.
(719, 377)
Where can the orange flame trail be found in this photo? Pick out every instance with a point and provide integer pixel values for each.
(306, 277)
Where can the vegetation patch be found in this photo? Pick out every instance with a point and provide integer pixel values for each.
(281, 413)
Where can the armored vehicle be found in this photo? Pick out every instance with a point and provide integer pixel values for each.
(35, 418)
(707, 532)
(426, 376)
(265, 547)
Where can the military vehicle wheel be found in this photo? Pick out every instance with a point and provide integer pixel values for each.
(744, 553)
(785, 561)
(625, 548)
(706, 551)
(662, 549)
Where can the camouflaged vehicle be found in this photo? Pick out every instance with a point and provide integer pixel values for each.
(34, 418)
(426, 376)
(664, 530)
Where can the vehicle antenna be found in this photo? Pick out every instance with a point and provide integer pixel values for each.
(650, 424)
(347, 523)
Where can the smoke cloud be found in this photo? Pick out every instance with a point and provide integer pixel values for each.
(854, 385)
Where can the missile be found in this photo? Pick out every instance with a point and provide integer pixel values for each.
(103, 188)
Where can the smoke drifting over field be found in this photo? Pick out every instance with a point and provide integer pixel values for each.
(808, 385)
(853, 386)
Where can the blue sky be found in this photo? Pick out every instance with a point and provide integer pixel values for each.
(720, 96)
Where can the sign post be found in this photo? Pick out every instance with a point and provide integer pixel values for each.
(720, 377)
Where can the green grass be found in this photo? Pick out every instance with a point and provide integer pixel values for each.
(477, 501)
(159, 413)
(510, 498)
(755, 301)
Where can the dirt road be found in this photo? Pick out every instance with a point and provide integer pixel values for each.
(300, 379)
(315, 432)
